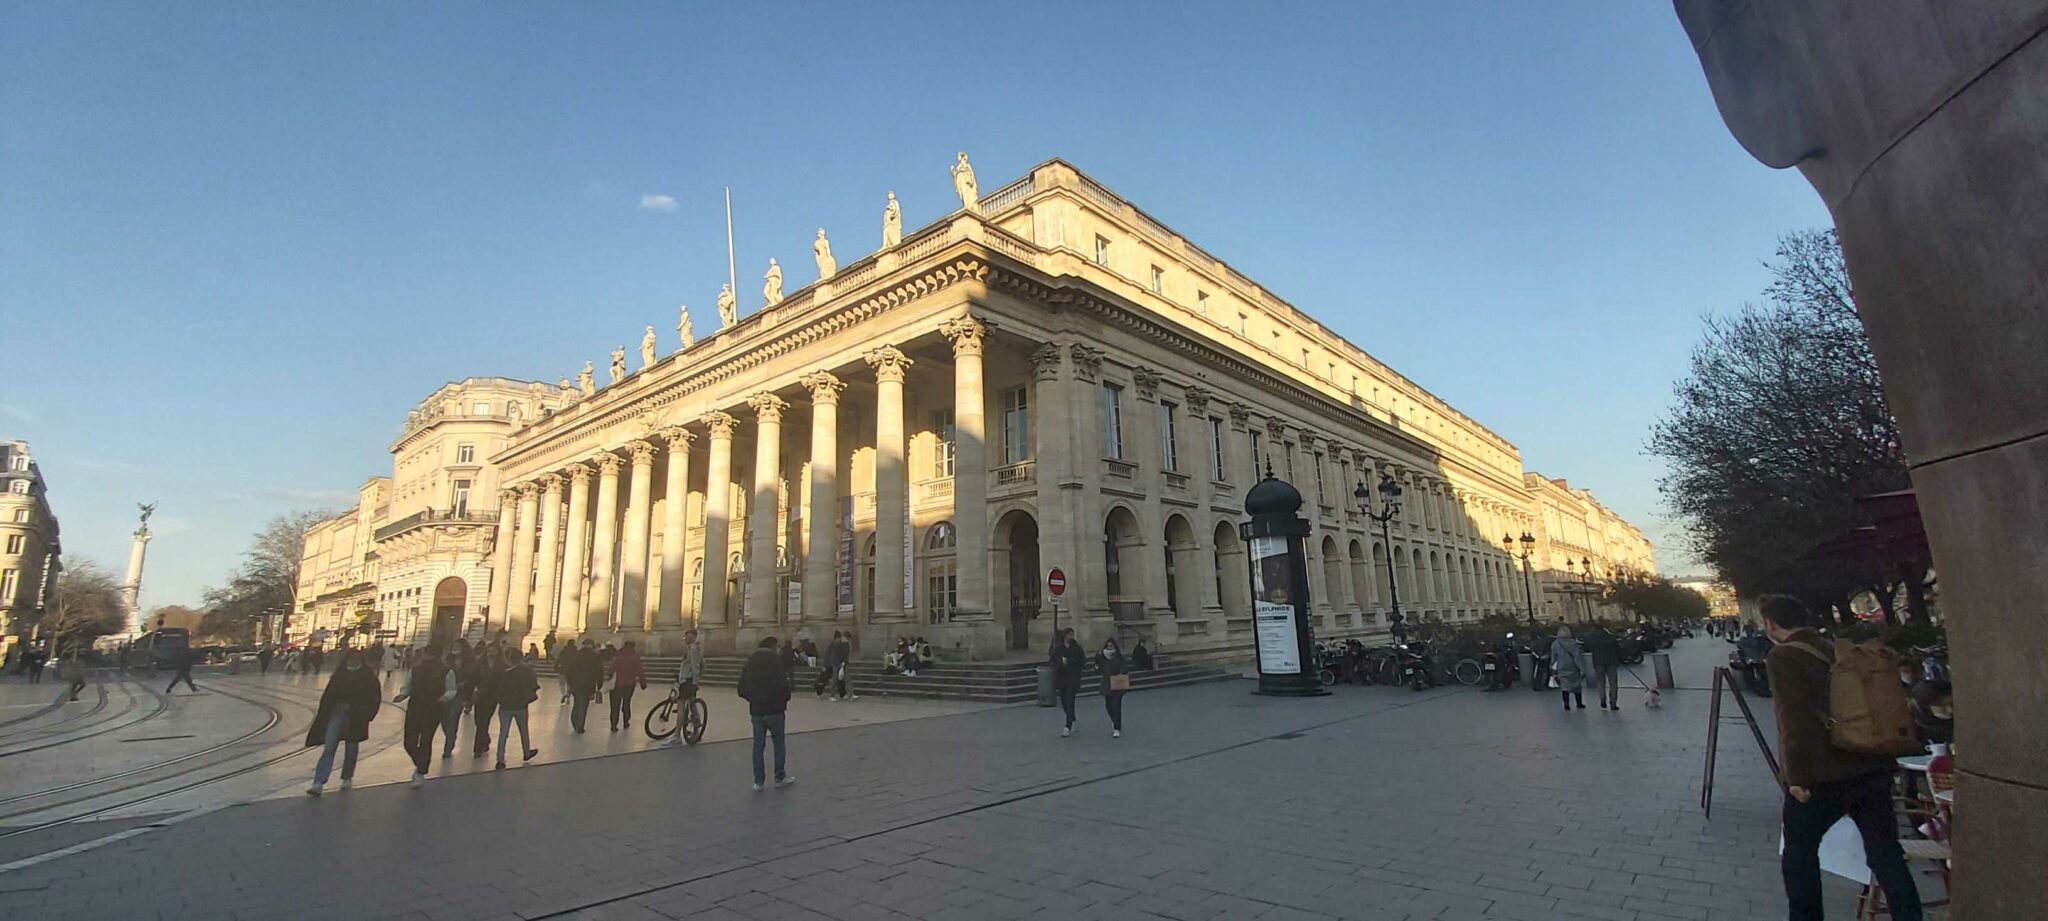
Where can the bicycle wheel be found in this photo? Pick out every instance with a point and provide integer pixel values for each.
(1326, 676)
(696, 716)
(1468, 672)
(661, 719)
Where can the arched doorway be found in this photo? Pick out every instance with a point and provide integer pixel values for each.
(1017, 570)
(1182, 594)
(1232, 588)
(1333, 574)
(451, 596)
(1122, 554)
(1361, 576)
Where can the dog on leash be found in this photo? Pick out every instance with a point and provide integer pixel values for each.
(1652, 698)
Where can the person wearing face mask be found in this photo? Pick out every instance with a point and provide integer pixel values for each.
(1115, 681)
(346, 709)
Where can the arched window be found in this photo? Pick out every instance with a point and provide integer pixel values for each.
(941, 574)
(867, 591)
(1112, 561)
(697, 587)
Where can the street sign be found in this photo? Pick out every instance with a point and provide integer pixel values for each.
(1056, 582)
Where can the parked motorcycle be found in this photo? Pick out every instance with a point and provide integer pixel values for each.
(1416, 669)
(1502, 663)
(1747, 664)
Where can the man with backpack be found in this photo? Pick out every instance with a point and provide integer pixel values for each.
(1836, 738)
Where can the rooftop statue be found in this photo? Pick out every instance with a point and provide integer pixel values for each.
(618, 364)
(892, 223)
(963, 183)
(586, 381)
(822, 249)
(728, 312)
(683, 326)
(647, 349)
(772, 290)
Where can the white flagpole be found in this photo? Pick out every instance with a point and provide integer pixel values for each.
(731, 275)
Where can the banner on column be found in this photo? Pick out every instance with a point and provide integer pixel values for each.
(845, 574)
(909, 563)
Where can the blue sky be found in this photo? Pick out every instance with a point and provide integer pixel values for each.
(238, 241)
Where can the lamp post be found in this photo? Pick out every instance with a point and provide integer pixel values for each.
(1390, 506)
(1528, 549)
(1586, 573)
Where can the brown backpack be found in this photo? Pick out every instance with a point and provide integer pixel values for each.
(1867, 707)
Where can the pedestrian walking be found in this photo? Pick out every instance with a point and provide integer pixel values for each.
(561, 655)
(343, 719)
(764, 685)
(1115, 682)
(34, 659)
(1824, 783)
(838, 659)
(628, 672)
(263, 657)
(428, 688)
(688, 672)
(1569, 664)
(1068, 663)
(1605, 651)
(484, 697)
(462, 665)
(515, 689)
(73, 671)
(181, 659)
(583, 672)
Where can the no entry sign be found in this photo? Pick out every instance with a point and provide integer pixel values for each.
(1056, 583)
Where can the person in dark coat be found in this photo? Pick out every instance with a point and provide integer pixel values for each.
(1068, 664)
(838, 657)
(628, 674)
(1605, 652)
(346, 708)
(181, 659)
(429, 687)
(463, 665)
(515, 689)
(582, 671)
(484, 696)
(263, 657)
(764, 685)
(1141, 656)
(1110, 662)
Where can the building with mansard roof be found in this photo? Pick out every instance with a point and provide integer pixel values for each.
(1046, 377)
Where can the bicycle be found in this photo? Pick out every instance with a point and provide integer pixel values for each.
(662, 720)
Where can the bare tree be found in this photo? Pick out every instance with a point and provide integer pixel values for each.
(1779, 427)
(267, 580)
(88, 604)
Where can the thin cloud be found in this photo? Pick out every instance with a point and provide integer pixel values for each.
(653, 202)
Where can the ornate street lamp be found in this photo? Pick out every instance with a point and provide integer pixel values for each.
(1390, 506)
(1528, 549)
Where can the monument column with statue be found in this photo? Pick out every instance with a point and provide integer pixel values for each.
(131, 589)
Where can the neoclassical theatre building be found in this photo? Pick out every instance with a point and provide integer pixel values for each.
(1047, 377)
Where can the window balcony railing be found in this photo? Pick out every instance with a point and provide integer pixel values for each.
(1121, 469)
(436, 516)
(1175, 480)
(1015, 474)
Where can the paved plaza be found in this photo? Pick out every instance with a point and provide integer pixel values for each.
(1372, 803)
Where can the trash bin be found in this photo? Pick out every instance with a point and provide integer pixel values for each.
(1661, 661)
(1046, 698)
(1527, 662)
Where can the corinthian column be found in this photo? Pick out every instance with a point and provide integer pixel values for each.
(501, 555)
(970, 467)
(575, 552)
(516, 618)
(604, 544)
(548, 566)
(633, 613)
(674, 526)
(821, 587)
(892, 521)
(761, 569)
(717, 516)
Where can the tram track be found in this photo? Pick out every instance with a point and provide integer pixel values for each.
(62, 699)
(111, 724)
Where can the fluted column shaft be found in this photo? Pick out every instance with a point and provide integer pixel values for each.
(763, 519)
(970, 469)
(821, 587)
(520, 595)
(547, 566)
(603, 545)
(717, 516)
(633, 613)
(892, 520)
(575, 553)
(501, 556)
(674, 527)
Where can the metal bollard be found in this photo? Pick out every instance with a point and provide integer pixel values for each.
(1046, 698)
(1661, 661)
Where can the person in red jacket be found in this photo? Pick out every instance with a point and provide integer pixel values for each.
(627, 673)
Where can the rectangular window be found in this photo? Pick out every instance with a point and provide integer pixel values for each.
(942, 591)
(1258, 458)
(1304, 359)
(14, 542)
(1016, 425)
(461, 498)
(1101, 250)
(1112, 421)
(7, 585)
(21, 463)
(1202, 302)
(21, 514)
(943, 451)
(465, 454)
(1158, 280)
(1287, 458)
(1169, 453)
(18, 487)
(480, 408)
(1321, 496)
(1216, 449)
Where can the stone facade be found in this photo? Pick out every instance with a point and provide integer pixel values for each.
(1051, 378)
(30, 552)
(1580, 543)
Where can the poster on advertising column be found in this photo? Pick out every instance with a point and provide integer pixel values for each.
(1273, 607)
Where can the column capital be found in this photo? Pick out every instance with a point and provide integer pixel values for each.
(508, 495)
(642, 451)
(578, 473)
(549, 483)
(1308, 439)
(1240, 416)
(526, 490)
(1197, 399)
(824, 386)
(889, 363)
(608, 464)
(1276, 429)
(1087, 362)
(1147, 382)
(1045, 362)
(768, 406)
(719, 424)
(677, 437)
(966, 333)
